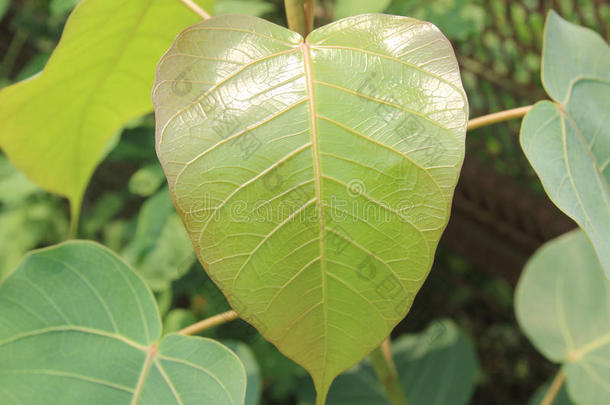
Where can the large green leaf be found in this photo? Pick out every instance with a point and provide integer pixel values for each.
(437, 366)
(563, 306)
(567, 141)
(55, 126)
(315, 178)
(77, 325)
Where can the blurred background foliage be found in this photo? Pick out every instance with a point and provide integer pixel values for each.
(127, 206)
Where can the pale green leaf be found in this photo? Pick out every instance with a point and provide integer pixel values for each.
(77, 325)
(315, 178)
(562, 305)
(346, 8)
(161, 250)
(567, 141)
(254, 388)
(55, 126)
(437, 366)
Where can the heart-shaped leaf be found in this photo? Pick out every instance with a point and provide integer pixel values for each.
(77, 325)
(314, 177)
(567, 141)
(562, 306)
(55, 126)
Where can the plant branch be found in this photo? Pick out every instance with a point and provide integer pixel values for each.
(381, 358)
(550, 395)
(209, 323)
(498, 117)
(299, 14)
(196, 9)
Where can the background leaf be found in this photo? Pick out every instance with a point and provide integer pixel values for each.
(437, 366)
(568, 141)
(160, 250)
(77, 323)
(56, 126)
(319, 235)
(562, 306)
(254, 387)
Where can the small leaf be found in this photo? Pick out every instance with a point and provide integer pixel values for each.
(77, 324)
(161, 250)
(567, 141)
(55, 126)
(314, 177)
(562, 306)
(437, 366)
(254, 388)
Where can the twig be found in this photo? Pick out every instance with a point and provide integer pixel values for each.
(209, 323)
(381, 358)
(498, 117)
(196, 9)
(550, 395)
(299, 14)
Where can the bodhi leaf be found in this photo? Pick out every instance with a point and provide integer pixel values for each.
(78, 324)
(441, 353)
(567, 141)
(314, 177)
(562, 306)
(55, 126)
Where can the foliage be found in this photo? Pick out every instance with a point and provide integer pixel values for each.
(568, 141)
(268, 130)
(77, 314)
(562, 306)
(127, 206)
(56, 126)
(440, 353)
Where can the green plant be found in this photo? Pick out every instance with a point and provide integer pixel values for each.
(314, 178)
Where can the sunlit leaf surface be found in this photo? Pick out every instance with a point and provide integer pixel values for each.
(315, 178)
(55, 126)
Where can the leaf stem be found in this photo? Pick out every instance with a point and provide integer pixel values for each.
(299, 14)
(550, 395)
(196, 9)
(381, 358)
(498, 117)
(209, 323)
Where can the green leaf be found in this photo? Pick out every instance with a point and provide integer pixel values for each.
(346, 8)
(77, 324)
(437, 366)
(254, 388)
(562, 306)
(567, 141)
(161, 250)
(55, 126)
(147, 180)
(315, 178)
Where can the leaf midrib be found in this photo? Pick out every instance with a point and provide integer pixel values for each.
(305, 51)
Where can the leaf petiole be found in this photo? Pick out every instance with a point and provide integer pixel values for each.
(196, 9)
(498, 117)
(381, 359)
(209, 323)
